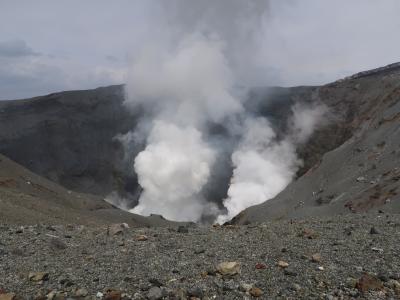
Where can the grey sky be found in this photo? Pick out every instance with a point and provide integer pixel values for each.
(48, 46)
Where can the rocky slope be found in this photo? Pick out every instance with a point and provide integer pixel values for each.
(350, 257)
(26, 198)
(304, 244)
(361, 170)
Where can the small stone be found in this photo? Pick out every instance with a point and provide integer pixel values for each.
(121, 243)
(289, 272)
(142, 238)
(50, 228)
(7, 296)
(368, 282)
(38, 276)
(351, 282)
(282, 264)
(383, 277)
(199, 251)
(116, 229)
(195, 292)
(229, 285)
(228, 268)
(296, 287)
(348, 231)
(99, 295)
(320, 268)
(255, 292)
(373, 230)
(395, 285)
(361, 179)
(57, 244)
(260, 266)
(309, 233)
(51, 295)
(245, 287)
(113, 295)
(66, 282)
(155, 282)
(182, 229)
(316, 258)
(179, 294)
(375, 249)
(81, 293)
(154, 293)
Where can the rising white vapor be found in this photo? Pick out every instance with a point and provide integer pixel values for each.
(172, 170)
(186, 78)
(262, 168)
(182, 89)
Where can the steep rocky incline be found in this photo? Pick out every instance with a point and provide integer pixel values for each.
(362, 169)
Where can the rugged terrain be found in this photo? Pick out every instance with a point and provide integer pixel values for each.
(360, 169)
(354, 256)
(26, 198)
(333, 233)
(350, 162)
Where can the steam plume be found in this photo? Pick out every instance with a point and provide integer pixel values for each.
(187, 78)
(264, 166)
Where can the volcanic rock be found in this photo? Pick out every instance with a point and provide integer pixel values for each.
(228, 268)
(256, 292)
(38, 276)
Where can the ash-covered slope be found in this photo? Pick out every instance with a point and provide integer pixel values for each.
(363, 171)
(26, 198)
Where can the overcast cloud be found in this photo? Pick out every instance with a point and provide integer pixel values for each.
(48, 46)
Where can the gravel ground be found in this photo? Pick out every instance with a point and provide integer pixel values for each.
(345, 257)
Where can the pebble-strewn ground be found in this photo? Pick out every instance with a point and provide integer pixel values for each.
(347, 257)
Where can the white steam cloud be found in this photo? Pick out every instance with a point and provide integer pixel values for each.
(262, 168)
(183, 88)
(172, 170)
(187, 77)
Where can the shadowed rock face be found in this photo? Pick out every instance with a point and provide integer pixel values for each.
(68, 137)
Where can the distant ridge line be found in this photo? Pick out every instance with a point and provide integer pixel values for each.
(390, 67)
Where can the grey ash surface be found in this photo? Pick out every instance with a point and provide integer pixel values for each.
(89, 260)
